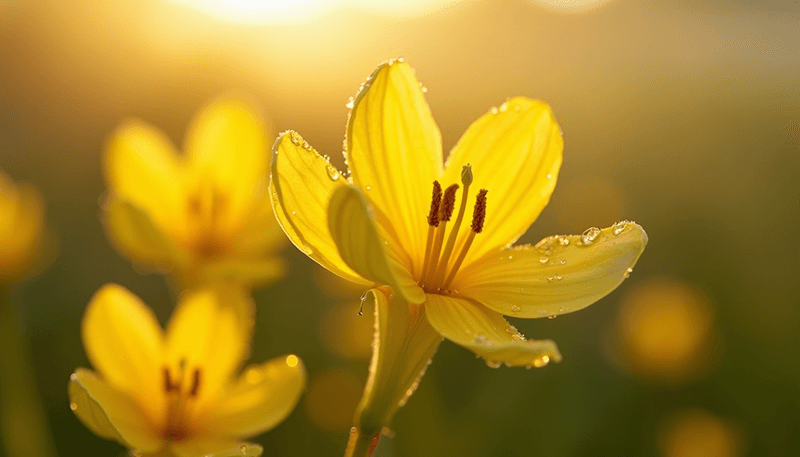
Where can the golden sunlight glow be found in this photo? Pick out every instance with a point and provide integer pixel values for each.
(281, 11)
(571, 6)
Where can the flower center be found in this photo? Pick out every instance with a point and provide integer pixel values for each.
(436, 276)
(180, 391)
(206, 206)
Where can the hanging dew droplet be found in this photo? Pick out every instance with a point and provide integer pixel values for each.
(333, 173)
(494, 111)
(493, 363)
(350, 103)
(619, 227)
(552, 316)
(549, 176)
(590, 235)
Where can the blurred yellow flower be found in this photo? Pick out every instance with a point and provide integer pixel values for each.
(23, 231)
(206, 213)
(177, 393)
(381, 227)
(664, 331)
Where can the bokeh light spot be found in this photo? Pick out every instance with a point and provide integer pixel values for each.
(331, 400)
(664, 331)
(698, 433)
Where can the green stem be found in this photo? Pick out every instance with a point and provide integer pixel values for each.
(22, 419)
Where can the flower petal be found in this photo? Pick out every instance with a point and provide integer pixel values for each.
(403, 346)
(361, 246)
(109, 413)
(515, 153)
(301, 185)
(245, 272)
(141, 166)
(560, 275)
(210, 331)
(136, 236)
(394, 150)
(486, 333)
(227, 145)
(124, 342)
(260, 399)
(205, 446)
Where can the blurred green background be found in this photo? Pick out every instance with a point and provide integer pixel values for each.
(683, 115)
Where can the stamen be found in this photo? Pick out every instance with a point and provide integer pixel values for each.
(466, 180)
(448, 203)
(478, 218)
(433, 222)
(195, 384)
(479, 213)
(445, 213)
(436, 200)
(167, 382)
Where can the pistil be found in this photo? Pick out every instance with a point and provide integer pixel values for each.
(466, 180)
(478, 219)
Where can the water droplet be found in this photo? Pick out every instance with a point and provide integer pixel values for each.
(619, 227)
(333, 173)
(294, 213)
(518, 337)
(590, 235)
(295, 140)
(559, 277)
(628, 273)
(560, 309)
(494, 111)
(243, 449)
(363, 299)
(510, 257)
(541, 361)
(549, 278)
(552, 316)
(493, 363)
(350, 103)
(423, 89)
(369, 187)
(549, 176)
(563, 241)
(480, 338)
(544, 260)
(504, 107)
(516, 308)
(562, 262)
(73, 406)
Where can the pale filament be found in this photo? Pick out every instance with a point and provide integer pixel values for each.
(435, 270)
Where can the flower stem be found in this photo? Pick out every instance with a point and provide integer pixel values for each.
(359, 443)
(22, 419)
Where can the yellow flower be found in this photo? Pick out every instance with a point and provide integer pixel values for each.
(22, 230)
(206, 213)
(382, 227)
(177, 393)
